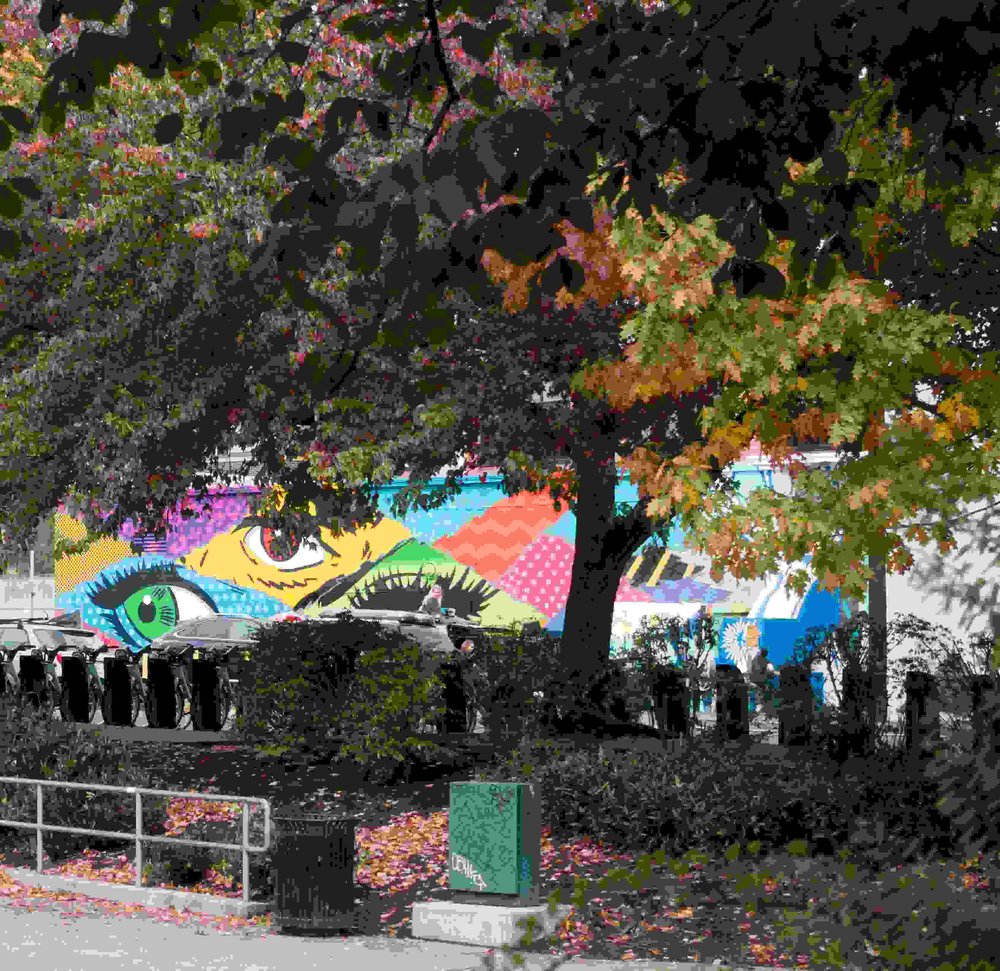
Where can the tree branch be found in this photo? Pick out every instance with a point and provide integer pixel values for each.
(453, 94)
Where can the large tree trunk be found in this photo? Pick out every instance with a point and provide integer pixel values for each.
(604, 546)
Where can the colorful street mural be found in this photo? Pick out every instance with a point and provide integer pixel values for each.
(502, 558)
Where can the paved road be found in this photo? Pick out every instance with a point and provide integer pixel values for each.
(46, 940)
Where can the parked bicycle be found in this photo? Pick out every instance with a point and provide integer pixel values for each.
(36, 672)
(122, 692)
(177, 698)
(168, 689)
(80, 689)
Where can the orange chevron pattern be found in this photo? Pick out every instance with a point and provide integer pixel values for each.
(490, 543)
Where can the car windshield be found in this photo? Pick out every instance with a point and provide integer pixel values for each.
(80, 638)
(49, 638)
(244, 629)
(54, 638)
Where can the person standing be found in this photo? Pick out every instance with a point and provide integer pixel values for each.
(431, 604)
(761, 671)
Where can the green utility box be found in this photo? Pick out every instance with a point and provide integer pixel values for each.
(495, 839)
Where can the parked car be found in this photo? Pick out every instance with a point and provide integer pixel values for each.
(172, 695)
(443, 638)
(35, 650)
(225, 633)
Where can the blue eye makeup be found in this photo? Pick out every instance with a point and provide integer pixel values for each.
(141, 604)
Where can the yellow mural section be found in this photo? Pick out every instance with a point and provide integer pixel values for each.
(248, 557)
(75, 568)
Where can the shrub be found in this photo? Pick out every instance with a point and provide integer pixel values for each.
(702, 797)
(394, 691)
(913, 917)
(711, 796)
(967, 787)
(299, 680)
(511, 676)
(39, 748)
(662, 642)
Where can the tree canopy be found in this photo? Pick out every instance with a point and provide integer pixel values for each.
(681, 214)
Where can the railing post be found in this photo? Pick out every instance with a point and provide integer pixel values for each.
(138, 838)
(38, 830)
(246, 853)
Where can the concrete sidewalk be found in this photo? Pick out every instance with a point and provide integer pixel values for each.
(47, 940)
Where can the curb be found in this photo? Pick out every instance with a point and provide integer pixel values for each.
(552, 962)
(181, 900)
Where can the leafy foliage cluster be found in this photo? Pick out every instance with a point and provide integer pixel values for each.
(36, 747)
(299, 675)
(344, 686)
(709, 796)
(393, 694)
(669, 642)
(314, 211)
(836, 914)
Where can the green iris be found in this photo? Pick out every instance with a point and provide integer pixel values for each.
(152, 610)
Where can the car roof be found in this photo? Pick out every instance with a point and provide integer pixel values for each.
(198, 620)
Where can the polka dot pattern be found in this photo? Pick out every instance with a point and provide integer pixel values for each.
(541, 575)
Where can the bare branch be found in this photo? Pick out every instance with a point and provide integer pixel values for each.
(442, 61)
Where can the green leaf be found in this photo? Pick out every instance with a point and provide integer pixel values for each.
(168, 128)
(11, 203)
(16, 118)
(292, 52)
(362, 27)
(211, 71)
(27, 187)
(732, 853)
(484, 91)
(483, 9)
(798, 848)
(480, 42)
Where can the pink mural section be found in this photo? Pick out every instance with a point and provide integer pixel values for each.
(227, 508)
(541, 576)
(491, 542)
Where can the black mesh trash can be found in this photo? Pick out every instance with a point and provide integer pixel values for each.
(313, 872)
(732, 703)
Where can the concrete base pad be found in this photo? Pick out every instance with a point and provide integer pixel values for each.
(482, 924)
(126, 893)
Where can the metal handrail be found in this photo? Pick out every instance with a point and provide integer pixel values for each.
(245, 846)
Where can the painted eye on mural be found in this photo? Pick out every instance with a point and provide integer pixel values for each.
(403, 590)
(154, 610)
(143, 605)
(283, 550)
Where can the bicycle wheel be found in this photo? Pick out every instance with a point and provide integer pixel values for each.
(226, 711)
(138, 702)
(94, 700)
(182, 705)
